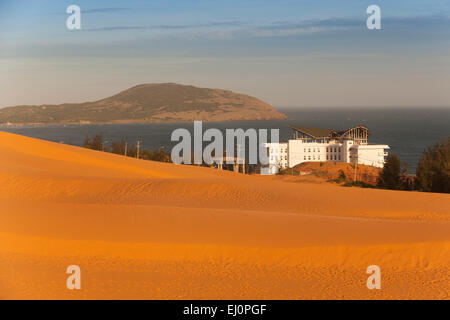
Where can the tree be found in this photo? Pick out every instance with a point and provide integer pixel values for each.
(390, 177)
(118, 147)
(97, 142)
(433, 170)
(342, 176)
(87, 142)
(132, 150)
(94, 144)
(159, 155)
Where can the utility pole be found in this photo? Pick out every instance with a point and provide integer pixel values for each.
(103, 145)
(240, 161)
(356, 167)
(138, 146)
(126, 148)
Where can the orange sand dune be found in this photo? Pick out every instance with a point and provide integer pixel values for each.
(147, 230)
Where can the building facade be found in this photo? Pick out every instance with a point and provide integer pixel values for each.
(325, 145)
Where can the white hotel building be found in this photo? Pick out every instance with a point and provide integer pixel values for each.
(322, 145)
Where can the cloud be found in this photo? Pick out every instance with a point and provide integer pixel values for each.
(229, 30)
(170, 27)
(104, 10)
(201, 25)
(391, 24)
(292, 28)
(236, 29)
(115, 28)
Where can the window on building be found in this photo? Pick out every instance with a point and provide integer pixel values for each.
(339, 149)
(339, 157)
(335, 157)
(335, 150)
(304, 158)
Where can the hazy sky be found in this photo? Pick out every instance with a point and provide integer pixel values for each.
(286, 52)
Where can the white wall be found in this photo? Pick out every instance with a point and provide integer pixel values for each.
(371, 155)
(300, 152)
(278, 156)
(297, 151)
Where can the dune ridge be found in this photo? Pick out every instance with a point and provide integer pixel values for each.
(147, 230)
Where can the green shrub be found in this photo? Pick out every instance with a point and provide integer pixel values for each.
(433, 170)
(390, 177)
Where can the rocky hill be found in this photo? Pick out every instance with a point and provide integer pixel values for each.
(166, 102)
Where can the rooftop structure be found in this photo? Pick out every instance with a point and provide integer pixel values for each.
(359, 134)
(321, 145)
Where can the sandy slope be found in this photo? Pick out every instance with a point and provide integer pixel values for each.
(141, 229)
